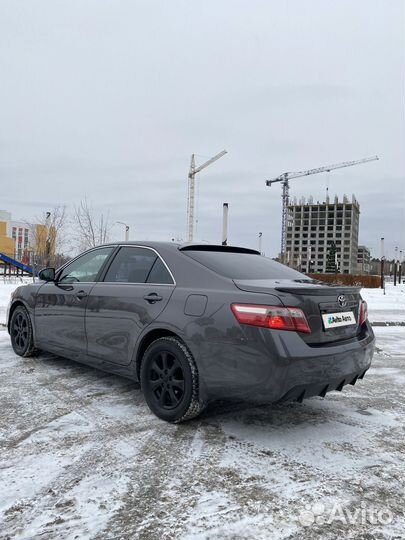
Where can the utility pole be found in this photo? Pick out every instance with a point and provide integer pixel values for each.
(191, 190)
(400, 267)
(225, 209)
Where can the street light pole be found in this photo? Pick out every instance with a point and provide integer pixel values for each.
(382, 264)
(48, 238)
(395, 265)
(225, 210)
(126, 230)
(260, 242)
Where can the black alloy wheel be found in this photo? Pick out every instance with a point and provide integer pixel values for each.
(169, 380)
(21, 332)
(166, 379)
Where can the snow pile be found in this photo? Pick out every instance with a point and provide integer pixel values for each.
(388, 307)
(7, 286)
(5, 294)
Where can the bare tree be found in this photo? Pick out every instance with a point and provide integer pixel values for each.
(46, 237)
(92, 229)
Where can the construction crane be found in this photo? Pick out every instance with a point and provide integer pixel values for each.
(191, 190)
(287, 176)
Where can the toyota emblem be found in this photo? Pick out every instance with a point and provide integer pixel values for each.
(342, 300)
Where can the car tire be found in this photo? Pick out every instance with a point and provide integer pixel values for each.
(169, 380)
(21, 333)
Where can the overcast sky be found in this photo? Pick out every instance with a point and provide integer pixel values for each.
(110, 98)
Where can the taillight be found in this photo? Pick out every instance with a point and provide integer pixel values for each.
(278, 318)
(363, 314)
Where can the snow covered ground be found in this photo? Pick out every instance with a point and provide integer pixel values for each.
(388, 307)
(83, 458)
(7, 286)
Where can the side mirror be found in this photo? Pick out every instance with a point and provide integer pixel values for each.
(47, 274)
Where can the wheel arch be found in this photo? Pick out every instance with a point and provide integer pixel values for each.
(13, 307)
(146, 340)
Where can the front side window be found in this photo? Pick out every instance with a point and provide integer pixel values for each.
(137, 265)
(86, 268)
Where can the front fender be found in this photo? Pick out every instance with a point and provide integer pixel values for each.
(11, 307)
(25, 296)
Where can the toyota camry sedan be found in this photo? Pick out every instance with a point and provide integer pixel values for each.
(196, 323)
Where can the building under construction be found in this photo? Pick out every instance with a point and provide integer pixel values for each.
(312, 228)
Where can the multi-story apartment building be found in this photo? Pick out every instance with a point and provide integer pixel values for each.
(7, 244)
(313, 228)
(22, 241)
(363, 260)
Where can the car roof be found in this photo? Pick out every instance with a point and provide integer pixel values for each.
(142, 243)
(189, 246)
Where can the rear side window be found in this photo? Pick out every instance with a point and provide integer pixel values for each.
(137, 265)
(159, 273)
(131, 265)
(243, 265)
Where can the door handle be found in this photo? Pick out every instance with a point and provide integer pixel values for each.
(80, 295)
(152, 298)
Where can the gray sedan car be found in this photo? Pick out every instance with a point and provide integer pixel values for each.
(196, 323)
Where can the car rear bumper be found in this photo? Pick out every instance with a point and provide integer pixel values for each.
(271, 366)
(303, 391)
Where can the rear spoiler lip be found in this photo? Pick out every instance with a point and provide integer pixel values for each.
(217, 247)
(311, 288)
(326, 290)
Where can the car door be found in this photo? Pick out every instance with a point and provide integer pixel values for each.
(61, 305)
(135, 290)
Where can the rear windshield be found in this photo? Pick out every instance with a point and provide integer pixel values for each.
(243, 265)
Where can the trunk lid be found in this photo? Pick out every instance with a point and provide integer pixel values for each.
(315, 299)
